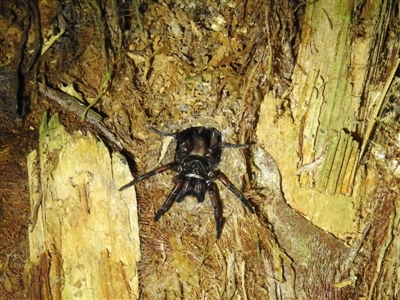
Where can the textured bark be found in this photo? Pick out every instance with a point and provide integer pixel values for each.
(84, 240)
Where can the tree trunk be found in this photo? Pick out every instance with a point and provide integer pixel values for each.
(84, 240)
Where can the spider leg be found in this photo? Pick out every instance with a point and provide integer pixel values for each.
(170, 198)
(170, 166)
(222, 177)
(213, 191)
(229, 145)
(161, 133)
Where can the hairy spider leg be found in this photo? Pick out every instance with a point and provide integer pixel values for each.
(171, 166)
(212, 191)
(222, 177)
(229, 145)
(161, 133)
(170, 198)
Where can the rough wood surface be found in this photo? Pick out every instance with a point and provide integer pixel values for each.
(84, 241)
(332, 108)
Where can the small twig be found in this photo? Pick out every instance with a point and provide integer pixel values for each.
(77, 107)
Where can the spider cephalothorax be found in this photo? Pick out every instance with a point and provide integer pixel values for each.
(198, 152)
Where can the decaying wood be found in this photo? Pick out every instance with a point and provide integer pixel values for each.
(344, 71)
(333, 109)
(84, 240)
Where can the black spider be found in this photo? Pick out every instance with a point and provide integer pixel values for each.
(198, 152)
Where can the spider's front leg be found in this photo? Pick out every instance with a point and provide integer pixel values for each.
(229, 145)
(171, 166)
(213, 192)
(170, 198)
(222, 177)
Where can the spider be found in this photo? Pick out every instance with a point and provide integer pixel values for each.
(198, 152)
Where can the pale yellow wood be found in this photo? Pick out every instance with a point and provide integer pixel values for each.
(84, 227)
(316, 144)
